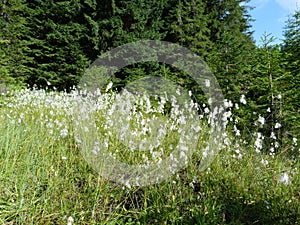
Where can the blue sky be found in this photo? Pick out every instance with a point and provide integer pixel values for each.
(270, 16)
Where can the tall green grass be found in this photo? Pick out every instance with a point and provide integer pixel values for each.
(44, 178)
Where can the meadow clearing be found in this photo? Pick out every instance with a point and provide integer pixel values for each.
(45, 179)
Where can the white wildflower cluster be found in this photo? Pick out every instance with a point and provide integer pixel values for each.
(70, 220)
(207, 83)
(243, 99)
(258, 144)
(277, 125)
(284, 178)
(264, 162)
(135, 128)
(121, 120)
(295, 141)
(261, 120)
(50, 112)
(236, 131)
(295, 144)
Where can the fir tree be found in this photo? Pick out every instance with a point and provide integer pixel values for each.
(12, 46)
(291, 83)
(55, 38)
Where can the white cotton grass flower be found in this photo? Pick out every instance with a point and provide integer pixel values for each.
(277, 125)
(258, 142)
(207, 83)
(228, 103)
(196, 128)
(109, 86)
(272, 151)
(237, 154)
(264, 162)
(243, 100)
(63, 133)
(227, 116)
(70, 220)
(209, 101)
(284, 178)
(236, 130)
(295, 141)
(261, 120)
(206, 110)
(273, 136)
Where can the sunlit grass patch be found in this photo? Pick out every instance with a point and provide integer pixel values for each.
(44, 178)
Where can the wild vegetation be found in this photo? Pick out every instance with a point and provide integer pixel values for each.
(46, 178)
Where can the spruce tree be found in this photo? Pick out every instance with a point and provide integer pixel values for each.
(233, 44)
(12, 46)
(55, 43)
(188, 26)
(265, 92)
(291, 83)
